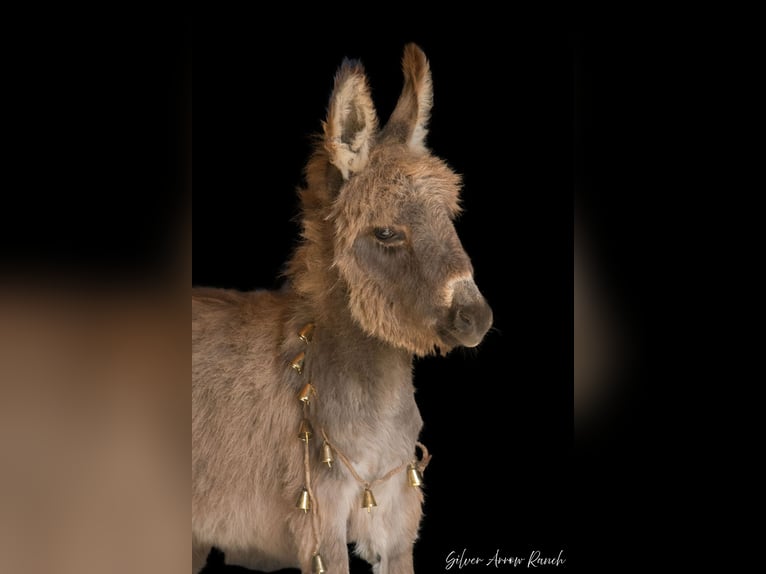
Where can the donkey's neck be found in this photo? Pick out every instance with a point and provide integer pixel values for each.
(346, 354)
(364, 385)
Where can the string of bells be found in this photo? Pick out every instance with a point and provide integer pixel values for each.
(305, 501)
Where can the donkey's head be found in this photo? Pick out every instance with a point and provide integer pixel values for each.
(391, 205)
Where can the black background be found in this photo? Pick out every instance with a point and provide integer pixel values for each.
(97, 133)
(498, 420)
(638, 111)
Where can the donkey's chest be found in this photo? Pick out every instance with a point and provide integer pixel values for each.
(371, 440)
(367, 472)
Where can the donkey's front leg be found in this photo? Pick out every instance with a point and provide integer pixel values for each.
(334, 553)
(333, 547)
(386, 536)
(398, 564)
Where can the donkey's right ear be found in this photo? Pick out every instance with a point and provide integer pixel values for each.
(351, 122)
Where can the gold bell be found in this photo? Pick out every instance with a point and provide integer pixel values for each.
(304, 501)
(307, 333)
(297, 362)
(327, 454)
(368, 501)
(305, 395)
(415, 476)
(317, 566)
(305, 432)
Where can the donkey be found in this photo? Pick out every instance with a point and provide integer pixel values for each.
(379, 277)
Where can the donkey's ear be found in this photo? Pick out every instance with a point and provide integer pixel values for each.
(409, 120)
(351, 122)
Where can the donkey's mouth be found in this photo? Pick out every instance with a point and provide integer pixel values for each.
(447, 341)
(452, 340)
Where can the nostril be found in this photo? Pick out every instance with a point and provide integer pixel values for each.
(470, 321)
(464, 318)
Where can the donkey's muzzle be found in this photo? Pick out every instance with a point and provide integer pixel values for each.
(470, 315)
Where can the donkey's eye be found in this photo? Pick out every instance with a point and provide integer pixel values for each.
(386, 234)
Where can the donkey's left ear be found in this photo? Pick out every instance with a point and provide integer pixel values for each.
(352, 123)
(409, 120)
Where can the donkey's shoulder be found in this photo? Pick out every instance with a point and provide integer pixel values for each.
(252, 319)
